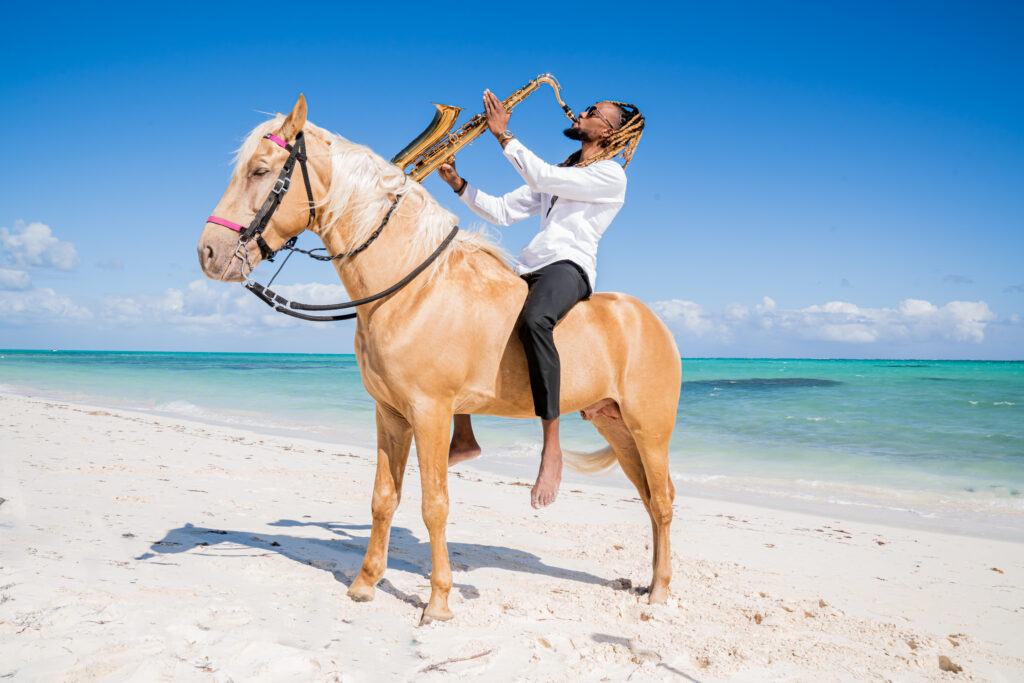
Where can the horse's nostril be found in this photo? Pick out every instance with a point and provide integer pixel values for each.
(209, 254)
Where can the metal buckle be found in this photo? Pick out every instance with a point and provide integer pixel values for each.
(282, 185)
(242, 254)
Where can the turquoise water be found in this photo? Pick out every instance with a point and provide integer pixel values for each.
(933, 439)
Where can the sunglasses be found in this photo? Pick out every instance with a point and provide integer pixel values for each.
(592, 109)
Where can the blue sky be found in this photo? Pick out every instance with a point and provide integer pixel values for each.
(816, 179)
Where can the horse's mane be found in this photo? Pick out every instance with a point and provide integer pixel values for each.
(370, 185)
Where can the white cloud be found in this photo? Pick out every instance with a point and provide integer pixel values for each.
(688, 317)
(28, 246)
(34, 245)
(913, 320)
(736, 312)
(39, 305)
(198, 304)
(14, 279)
(967, 318)
(215, 307)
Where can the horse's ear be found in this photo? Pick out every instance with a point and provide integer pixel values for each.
(294, 122)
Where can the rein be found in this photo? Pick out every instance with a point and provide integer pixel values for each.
(282, 305)
(262, 218)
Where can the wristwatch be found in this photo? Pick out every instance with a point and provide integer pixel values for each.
(506, 135)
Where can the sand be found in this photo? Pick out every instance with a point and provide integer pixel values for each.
(141, 547)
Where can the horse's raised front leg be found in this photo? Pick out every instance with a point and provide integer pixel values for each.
(431, 432)
(394, 436)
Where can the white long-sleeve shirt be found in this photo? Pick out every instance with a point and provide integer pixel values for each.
(576, 206)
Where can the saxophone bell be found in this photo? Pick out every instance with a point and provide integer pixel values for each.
(436, 145)
(443, 121)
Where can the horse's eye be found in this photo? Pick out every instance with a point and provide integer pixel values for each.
(261, 171)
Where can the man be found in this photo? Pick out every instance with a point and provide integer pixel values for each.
(577, 201)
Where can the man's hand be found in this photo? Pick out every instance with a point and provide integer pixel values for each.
(450, 176)
(497, 115)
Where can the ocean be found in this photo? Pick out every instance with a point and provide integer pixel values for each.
(935, 444)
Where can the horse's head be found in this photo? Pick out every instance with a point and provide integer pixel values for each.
(229, 245)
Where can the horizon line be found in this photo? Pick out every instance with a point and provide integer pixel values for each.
(685, 358)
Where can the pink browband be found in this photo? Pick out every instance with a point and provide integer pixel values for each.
(225, 223)
(235, 226)
(276, 139)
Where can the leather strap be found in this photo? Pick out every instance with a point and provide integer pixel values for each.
(296, 152)
(292, 308)
(226, 223)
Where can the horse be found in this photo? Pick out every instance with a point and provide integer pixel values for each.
(446, 343)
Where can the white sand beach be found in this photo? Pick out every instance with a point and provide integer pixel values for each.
(147, 548)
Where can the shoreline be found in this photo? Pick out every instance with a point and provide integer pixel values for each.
(917, 510)
(144, 546)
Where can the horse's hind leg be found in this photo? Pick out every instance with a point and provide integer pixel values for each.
(609, 423)
(652, 446)
(394, 436)
(644, 459)
(649, 431)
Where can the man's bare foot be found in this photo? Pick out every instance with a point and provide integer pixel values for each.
(549, 478)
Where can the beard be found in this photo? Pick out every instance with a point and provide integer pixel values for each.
(574, 133)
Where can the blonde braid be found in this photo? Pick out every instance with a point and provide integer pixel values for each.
(623, 139)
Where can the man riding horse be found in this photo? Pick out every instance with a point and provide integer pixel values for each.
(433, 347)
(577, 201)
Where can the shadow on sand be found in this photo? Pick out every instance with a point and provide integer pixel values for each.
(343, 556)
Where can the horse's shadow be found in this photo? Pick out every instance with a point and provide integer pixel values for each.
(342, 556)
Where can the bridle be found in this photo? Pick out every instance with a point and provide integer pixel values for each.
(297, 152)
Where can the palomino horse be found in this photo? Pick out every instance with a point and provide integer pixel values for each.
(446, 343)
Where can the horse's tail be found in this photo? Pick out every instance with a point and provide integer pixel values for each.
(597, 462)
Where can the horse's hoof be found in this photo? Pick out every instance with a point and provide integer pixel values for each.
(361, 593)
(430, 615)
(657, 596)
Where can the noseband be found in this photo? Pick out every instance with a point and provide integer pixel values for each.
(296, 152)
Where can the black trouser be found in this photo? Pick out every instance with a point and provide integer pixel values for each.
(554, 289)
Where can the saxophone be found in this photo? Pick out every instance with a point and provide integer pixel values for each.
(436, 145)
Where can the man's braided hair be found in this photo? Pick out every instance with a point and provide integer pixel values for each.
(622, 141)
